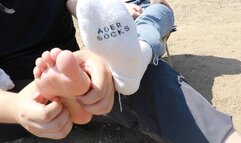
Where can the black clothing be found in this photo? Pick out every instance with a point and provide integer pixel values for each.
(24, 36)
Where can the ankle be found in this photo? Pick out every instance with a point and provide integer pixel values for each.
(232, 137)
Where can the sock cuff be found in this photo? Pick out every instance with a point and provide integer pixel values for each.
(146, 52)
(126, 85)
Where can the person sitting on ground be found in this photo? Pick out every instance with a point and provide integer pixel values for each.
(87, 24)
(115, 38)
(165, 107)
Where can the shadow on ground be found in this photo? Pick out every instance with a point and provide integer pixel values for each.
(200, 71)
(96, 133)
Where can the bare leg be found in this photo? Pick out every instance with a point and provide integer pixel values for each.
(57, 73)
(233, 137)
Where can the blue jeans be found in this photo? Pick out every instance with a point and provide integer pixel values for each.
(165, 108)
(153, 24)
(168, 110)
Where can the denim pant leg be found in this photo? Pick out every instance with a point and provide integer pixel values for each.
(153, 24)
(142, 3)
(166, 107)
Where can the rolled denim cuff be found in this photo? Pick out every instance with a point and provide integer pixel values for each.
(153, 24)
(153, 39)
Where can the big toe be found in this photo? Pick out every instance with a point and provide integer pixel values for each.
(67, 64)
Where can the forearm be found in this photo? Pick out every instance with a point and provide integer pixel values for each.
(7, 106)
(29, 109)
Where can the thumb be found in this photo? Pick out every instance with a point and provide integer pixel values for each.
(39, 98)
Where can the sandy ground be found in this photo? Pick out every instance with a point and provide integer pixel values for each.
(206, 50)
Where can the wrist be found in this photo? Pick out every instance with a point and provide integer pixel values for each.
(8, 107)
(13, 109)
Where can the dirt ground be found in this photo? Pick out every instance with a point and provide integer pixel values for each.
(206, 49)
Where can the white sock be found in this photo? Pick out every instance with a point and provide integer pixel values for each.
(108, 30)
(146, 53)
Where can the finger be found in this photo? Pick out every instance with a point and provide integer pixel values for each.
(56, 124)
(98, 86)
(36, 107)
(45, 113)
(60, 134)
(103, 106)
(62, 123)
(41, 99)
(59, 122)
(93, 96)
(63, 132)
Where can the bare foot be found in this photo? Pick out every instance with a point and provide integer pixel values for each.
(57, 73)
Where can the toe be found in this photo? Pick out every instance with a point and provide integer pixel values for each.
(54, 53)
(40, 64)
(48, 59)
(37, 72)
(67, 64)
